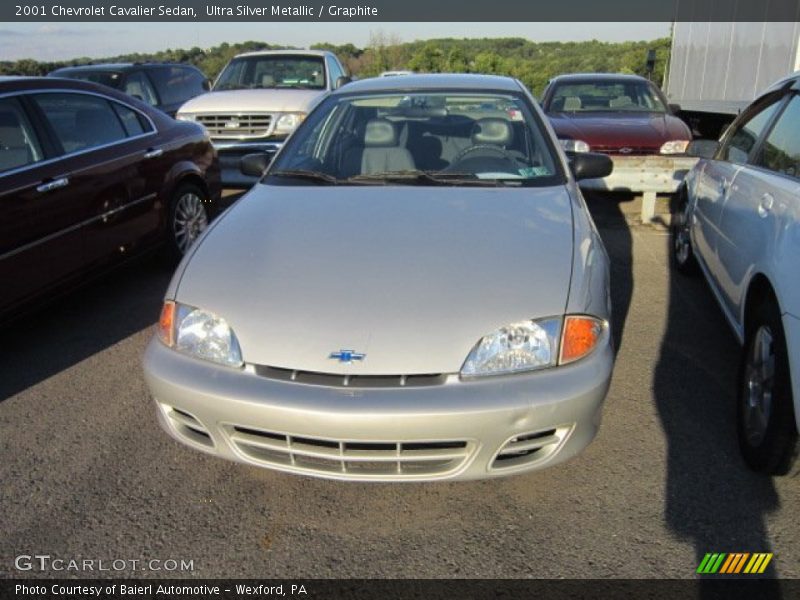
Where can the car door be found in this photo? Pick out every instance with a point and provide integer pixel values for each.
(754, 216)
(33, 186)
(716, 180)
(107, 148)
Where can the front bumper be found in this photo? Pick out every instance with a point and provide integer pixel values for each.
(454, 430)
(231, 153)
(660, 174)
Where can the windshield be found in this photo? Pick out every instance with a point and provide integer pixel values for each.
(111, 79)
(277, 71)
(605, 96)
(447, 138)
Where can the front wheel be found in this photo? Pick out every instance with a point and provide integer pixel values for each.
(766, 421)
(682, 254)
(188, 217)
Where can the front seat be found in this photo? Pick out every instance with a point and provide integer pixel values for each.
(381, 150)
(494, 132)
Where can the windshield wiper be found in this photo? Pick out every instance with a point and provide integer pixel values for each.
(416, 177)
(304, 174)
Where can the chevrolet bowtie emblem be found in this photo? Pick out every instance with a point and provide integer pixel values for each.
(347, 356)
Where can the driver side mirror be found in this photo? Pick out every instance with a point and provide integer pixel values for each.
(702, 148)
(674, 108)
(340, 81)
(590, 165)
(255, 164)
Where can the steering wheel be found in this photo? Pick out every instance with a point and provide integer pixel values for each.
(479, 147)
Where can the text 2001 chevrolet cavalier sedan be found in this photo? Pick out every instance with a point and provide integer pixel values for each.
(414, 291)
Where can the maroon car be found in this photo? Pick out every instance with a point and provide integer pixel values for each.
(626, 117)
(88, 177)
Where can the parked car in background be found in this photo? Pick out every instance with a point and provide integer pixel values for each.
(88, 177)
(258, 99)
(415, 291)
(738, 220)
(166, 86)
(626, 117)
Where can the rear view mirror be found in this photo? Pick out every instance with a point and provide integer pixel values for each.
(255, 164)
(702, 148)
(590, 165)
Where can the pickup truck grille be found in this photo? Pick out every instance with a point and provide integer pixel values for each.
(229, 126)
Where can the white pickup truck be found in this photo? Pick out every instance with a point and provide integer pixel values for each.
(258, 99)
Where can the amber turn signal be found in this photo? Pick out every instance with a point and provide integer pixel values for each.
(580, 337)
(166, 323)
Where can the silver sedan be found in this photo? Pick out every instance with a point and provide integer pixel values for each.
(413, 291)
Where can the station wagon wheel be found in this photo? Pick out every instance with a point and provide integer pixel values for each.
(188, 217)
(682, 254)
(766, 423)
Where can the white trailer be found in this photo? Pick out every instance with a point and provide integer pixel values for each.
(717, 69)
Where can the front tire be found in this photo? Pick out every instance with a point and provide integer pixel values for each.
(682, 254)
(188, 217)
(765, 412)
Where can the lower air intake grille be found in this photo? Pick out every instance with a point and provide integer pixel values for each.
(531, 447)
(188, 426)
(349, 458)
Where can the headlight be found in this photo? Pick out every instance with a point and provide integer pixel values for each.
(288, 122)
(199, 333)
(574, 145)
(674, 147)
(185, 117)
(531, 345)
(517, 347)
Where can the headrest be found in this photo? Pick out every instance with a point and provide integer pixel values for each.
(572, 103)
(620, 101)
(492, 131)
(379, 133)
(267, 80)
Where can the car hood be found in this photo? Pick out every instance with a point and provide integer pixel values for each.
(617, 130)
(265, 100)
(410, 276)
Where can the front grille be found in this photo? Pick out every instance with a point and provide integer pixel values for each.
(236, 126)
(526, 448)
(632, 150)
(350, 458)
(354, 381)
(188, 426)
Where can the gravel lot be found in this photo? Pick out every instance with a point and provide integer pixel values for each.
(87, 473)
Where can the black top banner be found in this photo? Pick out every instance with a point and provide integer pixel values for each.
(400, 11)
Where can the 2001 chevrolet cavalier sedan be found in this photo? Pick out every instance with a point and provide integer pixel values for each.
(414, 291)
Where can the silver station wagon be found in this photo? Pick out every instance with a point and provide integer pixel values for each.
(413, 291)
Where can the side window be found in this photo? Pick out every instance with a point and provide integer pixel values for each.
(133, 123)
(138, 86)
(18, 143)
(781, 149)
(196, 82)
(174, 84)
(741, 141)
(80, 121)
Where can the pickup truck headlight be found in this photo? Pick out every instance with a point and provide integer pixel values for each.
(574, 145)
(288, 122)
(199, 333)
(186, 117)
(674, 147)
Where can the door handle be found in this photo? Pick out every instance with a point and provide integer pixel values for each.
(153, 153)
(49, 186)
(765, 206)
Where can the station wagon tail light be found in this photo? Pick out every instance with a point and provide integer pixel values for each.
(674, 147)
(581, 335)
(199, 333)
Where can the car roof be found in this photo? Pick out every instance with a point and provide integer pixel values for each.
(288, 51)
(120, 66)
(781, 83)
(435, 81)
(598, 77)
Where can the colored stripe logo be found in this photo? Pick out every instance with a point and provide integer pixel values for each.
(719, 563)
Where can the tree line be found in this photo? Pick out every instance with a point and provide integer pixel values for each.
(533, 63)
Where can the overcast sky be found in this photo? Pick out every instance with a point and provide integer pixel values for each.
(50, 41)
